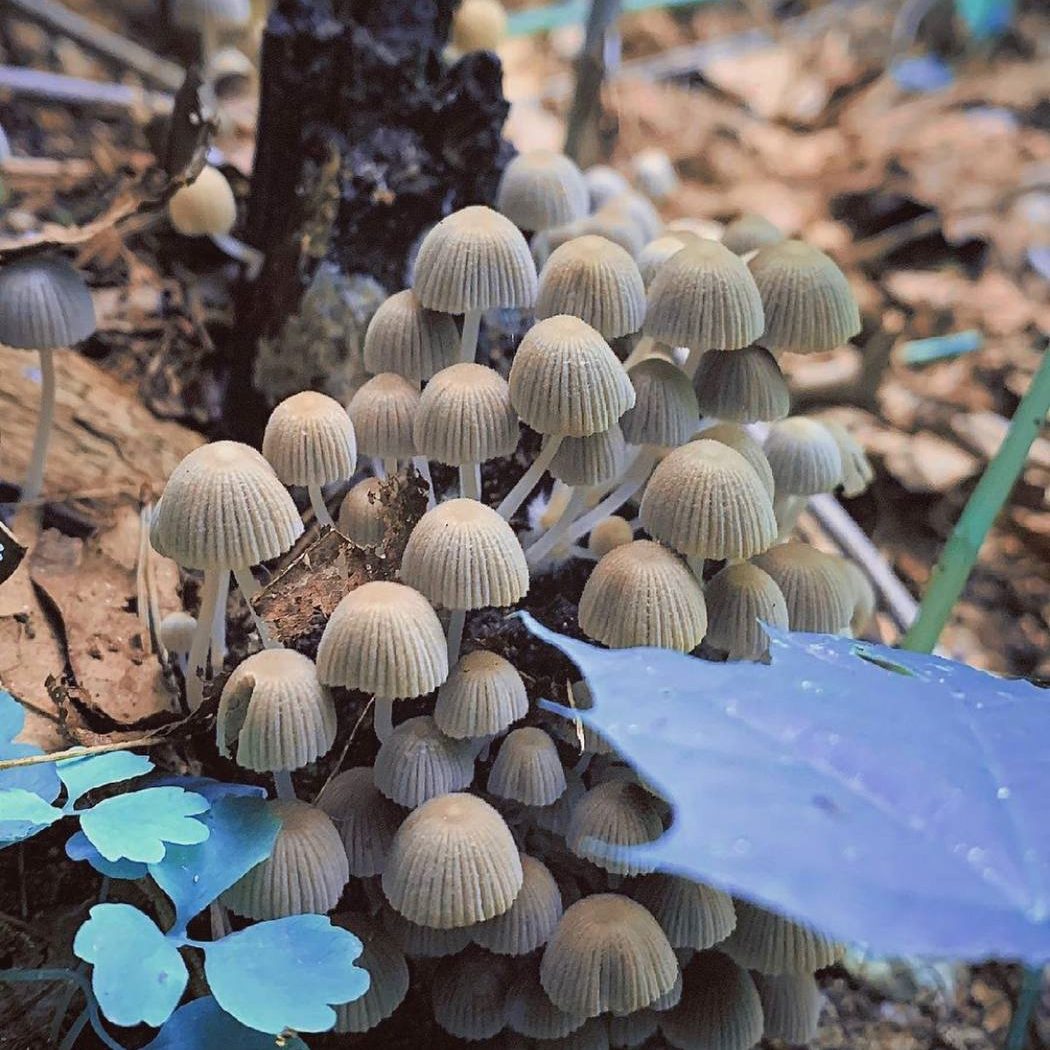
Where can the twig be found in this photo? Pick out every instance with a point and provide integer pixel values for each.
(79, 752)
(585, 113)
(56, 87)
(20, 976)
(346, 747)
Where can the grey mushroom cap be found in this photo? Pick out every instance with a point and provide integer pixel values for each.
(44, 305)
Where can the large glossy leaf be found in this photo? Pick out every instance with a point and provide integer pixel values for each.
(41, 779)
(887, 798)
(81, 775)
(204, 1025)
(285, 973)
(138, 974)
(139, 825)
(22, 814)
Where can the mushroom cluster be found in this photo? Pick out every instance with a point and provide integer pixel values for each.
(487, 832)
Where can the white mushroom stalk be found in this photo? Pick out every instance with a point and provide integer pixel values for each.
(510, 503)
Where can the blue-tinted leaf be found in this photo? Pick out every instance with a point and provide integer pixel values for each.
(905, 811)
(203, 1025)
(78, 847)
(81, 775)
(209, 788)
(242, 832)
(985, 18)
(41, 779)
(136, 826)
(285, 973)
(138, 973)
(922, 73)
(22, 814)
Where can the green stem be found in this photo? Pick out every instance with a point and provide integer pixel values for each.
(1031, 985)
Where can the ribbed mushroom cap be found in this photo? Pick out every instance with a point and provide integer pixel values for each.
(418, 762)
(383, 412)
(791, 1005)
(527, 769)
(743, 386)
(364, 817)
(475, 259)
(608, 534)
(566, 380)
(817, 593)
(384, 638)
(803, 456)
(530, 1012)
(629, 1031)
(665, 411)
(607, 953)
(305, 873)
(769, 943)
(555, 818)
(643, 594)
(469, 994)
(704, 499)
(591, 460)
(609, 820)
(655, 254)
(405, 338)
(274, 714)
(176, 631)
(465, 416)
(478, 25)
(719, 1008)
(748, 233)
(857, 471)
(224, 507)
(423, 942)
(541, 189)
(463, 555)
(704, 297)
(531, 918)
(483, 696)
(640, 210)
(44, 304)
(309, 440)
(604, 184)
(361, 516)
(808, 302)
(205, 207)
(691, 914)
(864, 598)
(613, 222)
(388, 975)
(738, 597)
(453, 863)
(736, 437)
(595, 280)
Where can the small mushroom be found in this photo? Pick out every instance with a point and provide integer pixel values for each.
(482, 697)
(541, 189)
(604, 184)
(478, 25)
(654, 173)
(388, 975)
(364, 817)
(406, 338)
(640, 210)
(613, 222)
(749, 233)
(771, 944)
(383, 412)
(736, 437)
(176, 635)
(791, 1004)
(805, 460)
(819, 596)
(204, 207)
(743, 386)
(423, 942)
(361, 515)
(655, 254)
(608, 534)
(740, 598)
(530, 1012)
(469, 994)
(857, 471)
(529, 921)
(692, 914)
(418, 762)
(527, 769)
(556, 817)
(864, 598)
(609, 820)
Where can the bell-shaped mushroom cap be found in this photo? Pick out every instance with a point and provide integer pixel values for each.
(527, 769)
(176, 631)
(609, 820)
(469, 994)
(531, 918)
(691, 914)
(808, 302)
(453, 863)
(364, 817)
(224, 507)
(463, 555)
(655, 254)
(736, 437)
(640, 210)
(791, 1004)
(385, 964)
(595, 280)
(384, 638)
(817, 593)
(204, 207)
(607, 953)
(423, 942)
(857, 471)
(555, 818)
(608, 534)
(738, 597)
(604, 184)
(591, 460)
(566, 380)
(305, 873)
(478, 25)
(743, 386)
(465, 416)
(643, 594)
(44, 304)
(541, 189)
(418, 762)
(654, 173)
(361, 516)
(748, 233)
(274, 713)
(405, 338)
(629, 1031)
(612, 222)
(383, 412)
(769, 943)
(704, 499)
(483, 696)
(864, 598)
(704, 297)
(719, 1008)
(665, 410)
(530, 1012)
(475, 259)
(309, 440)
(803, 456)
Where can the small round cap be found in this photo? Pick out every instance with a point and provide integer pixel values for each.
(469, 994)
(527, 769)
(604, 184)
(418, 762)
(748, 233)
(383, 412)
(742, 386)
(361, 515)
(44, 304)
(478, 25)
(475, 259)
(224, 507)
(541, 189)
(736, 437)
(423, 942)
(309, 440)
(654, 172)
(818, 595)
(665, 410)
(531, 918)
(640, 210)
(405, 338)
(691, 914)
(614, 223)
(530, 1011)
(204, 207)
(655, 254)
(555, 818)
(610, 819)
(738, 598)
(769, 943)
(483, 696)
(857, 471)
(385, 964)
(791, 1004)
(803, 456)
(176, 632)
(591, 460)
(864, 598)
(608, 534)
(364, 817)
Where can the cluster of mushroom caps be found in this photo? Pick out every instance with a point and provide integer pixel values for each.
(488, 833)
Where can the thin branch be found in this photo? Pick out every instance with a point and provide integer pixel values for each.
(80, 752)
(58, 88)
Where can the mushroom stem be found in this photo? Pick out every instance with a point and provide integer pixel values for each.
(250, 258)
(557, 533)
(34, 482)
(456, 622)
(218, 624)
(383, 718)
(422, 464)
(528, 481)
(220, 927)
(324, 519)
(201, 638)
(468, 346)
(248, 586)
(692, 362)
(582, 763)
(282, 782)
(390, 466)
(787, 509)
(470, 480)
(634, 478)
